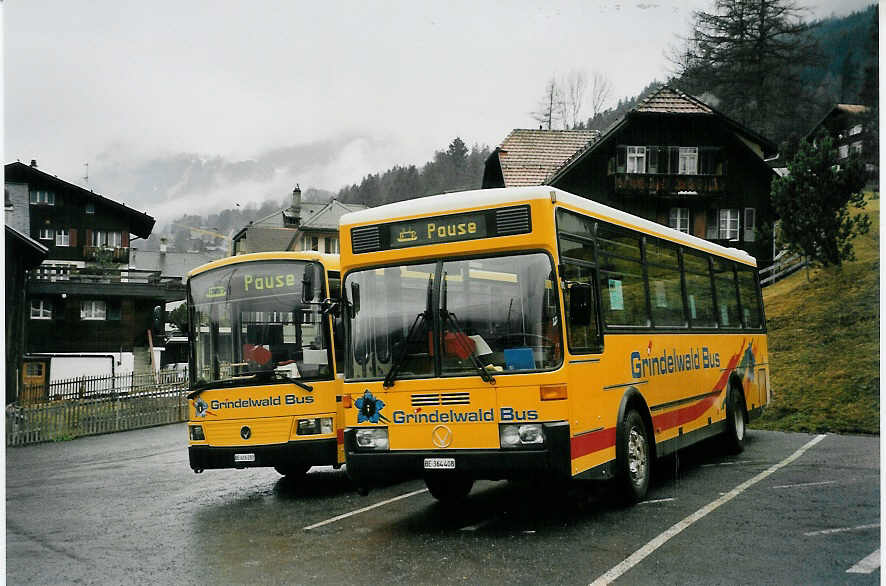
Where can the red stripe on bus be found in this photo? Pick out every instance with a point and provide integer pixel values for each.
(588, 443)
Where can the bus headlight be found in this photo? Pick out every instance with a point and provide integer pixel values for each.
(196, 433)
(372, 438)
(314, 426)
(517, 435)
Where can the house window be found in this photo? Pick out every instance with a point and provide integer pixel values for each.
(636, 159)
(41, 309)
(305, 243)
(844, 151)
(93, 310)
(107, 239)
(679, 219)
(855, 130)
(62, 237)
(315, 243)
(42, 197)
(688, 160)
(728, 224)
(90, 208)
(750, 224)
(46, 234)
(856, 147)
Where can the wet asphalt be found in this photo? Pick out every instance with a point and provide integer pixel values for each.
(126, 508)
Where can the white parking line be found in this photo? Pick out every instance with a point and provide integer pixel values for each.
(867, 565)
(477, 526)
(842, 530)
(641, 554)
(727, 463)
(803, 484)
(364, 509)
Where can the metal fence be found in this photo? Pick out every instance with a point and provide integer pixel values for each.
(783, 265)
(92, 405)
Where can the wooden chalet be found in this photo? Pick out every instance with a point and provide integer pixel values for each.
(671, 159)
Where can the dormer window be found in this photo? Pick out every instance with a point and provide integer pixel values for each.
(42, 197)
(855, 130)
(90, 208)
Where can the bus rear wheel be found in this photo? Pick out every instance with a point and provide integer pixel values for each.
(449, 488)
(293, 471)
(735, 418)
(633, 460)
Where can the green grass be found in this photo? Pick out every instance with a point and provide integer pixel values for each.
(824, 350)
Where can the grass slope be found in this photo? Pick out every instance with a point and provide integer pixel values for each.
(824, 344)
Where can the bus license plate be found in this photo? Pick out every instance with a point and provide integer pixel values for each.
(439, 463)
(244, 457)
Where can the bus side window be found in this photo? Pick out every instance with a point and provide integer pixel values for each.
(582, 324)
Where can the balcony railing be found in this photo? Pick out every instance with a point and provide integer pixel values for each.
(667, 185)
(117, 254)
(100, 275)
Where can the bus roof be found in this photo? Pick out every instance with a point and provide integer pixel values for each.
(330, 261)
(451, 202)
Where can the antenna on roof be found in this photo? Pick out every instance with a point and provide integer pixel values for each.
(86, 177)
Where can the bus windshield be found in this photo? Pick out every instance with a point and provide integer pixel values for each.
(498, 314)
(259, 317)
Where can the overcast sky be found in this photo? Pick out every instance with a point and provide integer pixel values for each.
(118, 84)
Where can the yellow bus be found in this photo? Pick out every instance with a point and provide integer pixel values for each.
(528, 332)
(264, 390)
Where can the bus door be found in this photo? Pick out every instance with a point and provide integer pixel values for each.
(584, 340)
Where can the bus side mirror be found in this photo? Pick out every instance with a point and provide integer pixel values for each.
(355, 299)
(579, 304)
(307, 283)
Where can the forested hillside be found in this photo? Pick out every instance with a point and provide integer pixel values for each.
(842, 68)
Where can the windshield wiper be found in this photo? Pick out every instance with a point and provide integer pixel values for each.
(422, 318)
(245, 378)
(449, 317)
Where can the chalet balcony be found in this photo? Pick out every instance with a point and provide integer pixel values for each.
(662, 185)
(118, 254)
(55, 280)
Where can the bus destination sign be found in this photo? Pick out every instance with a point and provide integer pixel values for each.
(438, 230)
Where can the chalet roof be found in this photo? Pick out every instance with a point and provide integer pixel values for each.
(836, 110)
(327, 217)
(665, 101)
(668, 100)
(29, 250)
(140, 223)
(528, 156)
(851, 108)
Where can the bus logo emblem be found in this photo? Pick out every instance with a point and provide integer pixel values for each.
(441, 436)
(245, 432)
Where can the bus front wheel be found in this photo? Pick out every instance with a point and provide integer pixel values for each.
(735, 418)
(448, 487)
(634, 466)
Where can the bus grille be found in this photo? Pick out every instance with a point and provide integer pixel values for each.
(512, 221)
(432, 399)
(365, 239)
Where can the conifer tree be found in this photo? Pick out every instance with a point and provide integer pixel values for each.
(813, 202)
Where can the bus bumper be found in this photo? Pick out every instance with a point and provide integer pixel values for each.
(318, 452)
(552, 461)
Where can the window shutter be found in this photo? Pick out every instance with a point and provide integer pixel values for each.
(73, 233)
(750, 224)
(713, 225)
(621, 158)
(88, 240)
(125, 238)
